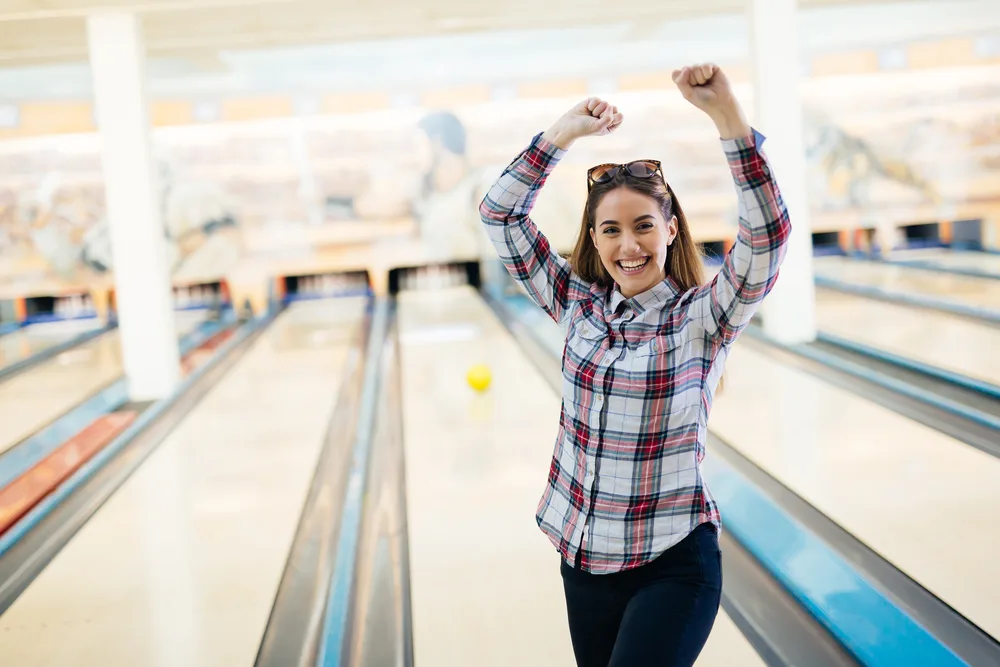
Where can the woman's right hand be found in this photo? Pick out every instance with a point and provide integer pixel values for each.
(590, 118)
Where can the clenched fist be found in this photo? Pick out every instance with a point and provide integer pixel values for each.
(591, 117)
(707, 87)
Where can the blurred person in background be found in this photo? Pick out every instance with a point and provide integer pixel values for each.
(625, 504)
(442, 195)
(201, 234)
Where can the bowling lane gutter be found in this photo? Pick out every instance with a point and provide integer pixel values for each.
(980, 315)
(850, 606)
(17, 367)
(26, 453)
(42, 464)
(345, 587)
(42, 533)
(962, 408)
(929, 265)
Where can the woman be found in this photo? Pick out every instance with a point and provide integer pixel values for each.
(625, 503)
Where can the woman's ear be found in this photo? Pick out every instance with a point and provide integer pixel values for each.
(593, 237)
(672, 227)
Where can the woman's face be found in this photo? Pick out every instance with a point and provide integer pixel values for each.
(632, 236)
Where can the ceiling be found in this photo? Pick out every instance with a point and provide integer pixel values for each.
(40, 32)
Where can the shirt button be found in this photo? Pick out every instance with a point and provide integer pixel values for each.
(600, 399)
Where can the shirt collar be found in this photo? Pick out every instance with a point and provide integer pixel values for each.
(660, 293)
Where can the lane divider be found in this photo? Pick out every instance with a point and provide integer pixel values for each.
(337, 621)
(54, 468)
(24, 364)
(18, 459)
(900, 297)
(951, 270)
(21, 495)
(964, 381)
(862, 618)
(898, 386)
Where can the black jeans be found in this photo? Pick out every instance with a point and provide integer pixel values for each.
(657, 615)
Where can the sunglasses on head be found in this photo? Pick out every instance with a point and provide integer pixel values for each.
(605, 173)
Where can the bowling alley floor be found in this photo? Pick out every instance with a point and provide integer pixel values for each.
(182, 564)
(921, 500)
(486, 588)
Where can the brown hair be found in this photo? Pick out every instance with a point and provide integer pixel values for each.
(683, 258)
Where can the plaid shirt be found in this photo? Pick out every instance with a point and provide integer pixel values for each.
(639, 374)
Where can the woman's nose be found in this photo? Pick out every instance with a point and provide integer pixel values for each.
(629, 243)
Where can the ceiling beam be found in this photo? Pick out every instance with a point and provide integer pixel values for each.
(176, 26)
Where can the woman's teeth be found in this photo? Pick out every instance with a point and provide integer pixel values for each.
(633, 266)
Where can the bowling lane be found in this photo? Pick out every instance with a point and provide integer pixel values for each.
(485, 584)
(964, 290)
(925, 502)
(938, 339)
(181, 565)
(952, 259)
(34, 398)
(31, 340)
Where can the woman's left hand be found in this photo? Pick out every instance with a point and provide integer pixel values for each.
(707, 87)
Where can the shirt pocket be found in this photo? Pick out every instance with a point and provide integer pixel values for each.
(663, 371)
(664, 345)
(586, 336)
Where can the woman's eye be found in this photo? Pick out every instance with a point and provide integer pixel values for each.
(646, 226)
(610, 230)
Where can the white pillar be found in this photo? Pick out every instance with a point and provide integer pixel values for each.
(143, 292)
(789, 312)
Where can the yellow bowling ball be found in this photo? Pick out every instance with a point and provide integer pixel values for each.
(479, 377)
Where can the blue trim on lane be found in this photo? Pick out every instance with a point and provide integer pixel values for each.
(863, 619)
(965, 381)
(337, 613)
(22, 457)
(898, 386)
(113, 448)
(929, 265)
(899, 297)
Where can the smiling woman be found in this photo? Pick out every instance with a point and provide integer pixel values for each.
(625, 504)
(639, 254)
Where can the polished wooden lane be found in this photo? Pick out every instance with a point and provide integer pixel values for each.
(181, 565)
